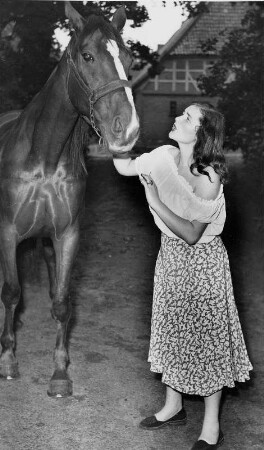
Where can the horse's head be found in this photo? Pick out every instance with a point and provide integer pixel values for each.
(97, 78)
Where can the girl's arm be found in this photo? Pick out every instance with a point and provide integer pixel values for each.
(190, 232)
(125, 166)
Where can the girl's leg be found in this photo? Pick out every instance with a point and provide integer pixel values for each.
(210, 430)
(173, 404)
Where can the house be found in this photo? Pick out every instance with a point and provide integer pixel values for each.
(159, 99)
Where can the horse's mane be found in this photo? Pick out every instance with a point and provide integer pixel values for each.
(78, 141)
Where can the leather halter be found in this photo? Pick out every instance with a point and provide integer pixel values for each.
(94, 94)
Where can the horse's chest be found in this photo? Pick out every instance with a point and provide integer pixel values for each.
(44, 207)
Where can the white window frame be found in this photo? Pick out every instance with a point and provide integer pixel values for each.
(187, 80)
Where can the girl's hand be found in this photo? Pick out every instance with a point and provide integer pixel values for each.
(151, 190)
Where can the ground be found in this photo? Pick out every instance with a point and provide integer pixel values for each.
(110, 327)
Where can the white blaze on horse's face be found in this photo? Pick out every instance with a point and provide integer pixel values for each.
(113, 49)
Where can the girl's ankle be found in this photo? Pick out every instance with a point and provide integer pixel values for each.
(167, 413)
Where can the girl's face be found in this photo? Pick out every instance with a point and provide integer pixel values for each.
(185, 126)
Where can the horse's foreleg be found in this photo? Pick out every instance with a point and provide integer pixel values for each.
(50, 258)
(65, 250)
(10, 298)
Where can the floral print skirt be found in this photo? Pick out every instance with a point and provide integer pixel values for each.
(196, 338)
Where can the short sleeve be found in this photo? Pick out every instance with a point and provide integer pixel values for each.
(205, 211)
(152, 162)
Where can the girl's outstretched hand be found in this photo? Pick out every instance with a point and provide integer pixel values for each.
(151, 190)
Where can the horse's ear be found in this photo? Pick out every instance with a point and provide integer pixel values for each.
(76, 20)
(119, 18)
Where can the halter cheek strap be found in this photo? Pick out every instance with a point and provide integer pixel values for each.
(94, 94)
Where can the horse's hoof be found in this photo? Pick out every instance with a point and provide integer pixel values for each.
(60, 388)
(9, 371)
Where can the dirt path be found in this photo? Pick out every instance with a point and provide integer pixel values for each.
(109, 334)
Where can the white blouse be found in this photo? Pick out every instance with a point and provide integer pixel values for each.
(177, 194)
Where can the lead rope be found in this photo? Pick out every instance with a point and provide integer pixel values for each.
(102, 142)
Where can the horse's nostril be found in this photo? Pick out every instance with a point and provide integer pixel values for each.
(117, 126)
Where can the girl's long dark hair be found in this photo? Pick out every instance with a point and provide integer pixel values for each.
(208, 149)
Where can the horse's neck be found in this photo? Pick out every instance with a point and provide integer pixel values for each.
(48, 121)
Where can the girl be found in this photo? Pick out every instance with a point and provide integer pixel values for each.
(196, 338)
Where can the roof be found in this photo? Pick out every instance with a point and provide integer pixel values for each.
(220, 19)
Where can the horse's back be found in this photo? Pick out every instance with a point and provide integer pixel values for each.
(6, 122)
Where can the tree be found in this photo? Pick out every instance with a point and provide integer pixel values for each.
(143, 55)
(237, 80)
(28, 48)
(27, 52)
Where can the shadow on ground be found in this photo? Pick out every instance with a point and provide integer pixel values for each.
(109, 332)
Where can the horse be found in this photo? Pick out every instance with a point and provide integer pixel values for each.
(42, 168)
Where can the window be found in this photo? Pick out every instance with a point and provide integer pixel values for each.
(173, 109)
(180, 75)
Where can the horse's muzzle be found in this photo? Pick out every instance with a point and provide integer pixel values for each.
(122, 149)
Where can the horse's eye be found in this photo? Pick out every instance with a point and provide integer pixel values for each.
(88, 57)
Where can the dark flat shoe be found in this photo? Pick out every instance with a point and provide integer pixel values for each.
(203, 445)
(151, 423)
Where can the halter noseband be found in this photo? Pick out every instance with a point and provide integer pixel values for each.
(94, 94)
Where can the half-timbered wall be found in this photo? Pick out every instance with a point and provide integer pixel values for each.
(160, 99)
(180, 76)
